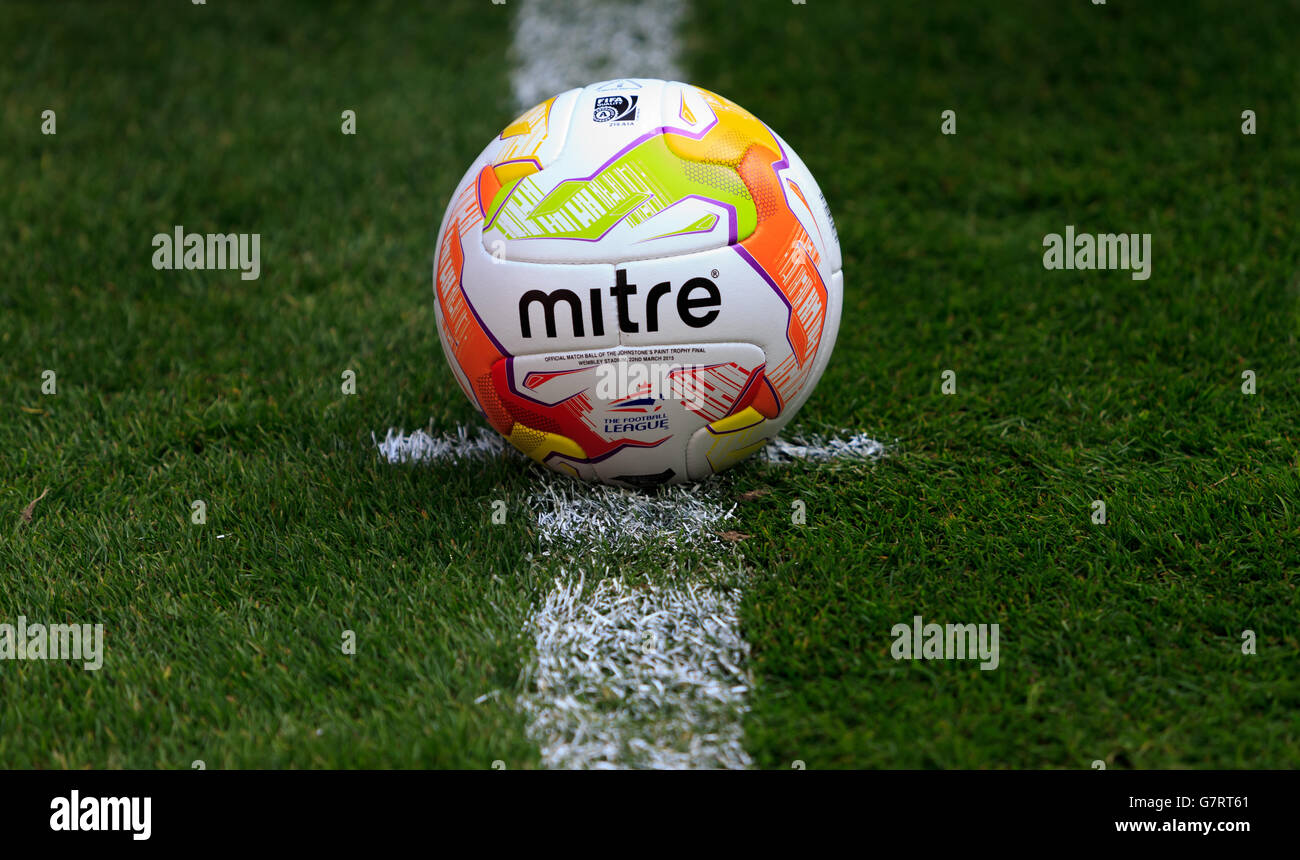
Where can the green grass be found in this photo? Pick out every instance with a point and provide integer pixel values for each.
(1119, 641)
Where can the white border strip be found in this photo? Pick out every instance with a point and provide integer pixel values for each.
(586, 517)
(820, 449)
(562, 44)
(637, 677)
(479, 443)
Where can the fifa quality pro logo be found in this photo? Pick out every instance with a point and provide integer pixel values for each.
(697, 304)
(614, 109)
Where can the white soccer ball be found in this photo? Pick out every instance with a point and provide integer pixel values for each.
(638, 282)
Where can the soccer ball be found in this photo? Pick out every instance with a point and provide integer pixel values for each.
(638, 283)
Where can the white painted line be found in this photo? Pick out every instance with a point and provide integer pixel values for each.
(590, 517)
(637, 677)
(562, 44)
(465, 443)
(481, 443)
(856, 446)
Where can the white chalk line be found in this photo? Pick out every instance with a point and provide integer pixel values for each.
(482, 443)
(585, 518)
(814, 448)
(637, 677)
(419, 446)
(563, 44)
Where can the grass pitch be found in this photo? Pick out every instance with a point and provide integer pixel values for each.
(1120, 642)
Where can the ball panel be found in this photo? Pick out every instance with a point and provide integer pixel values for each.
(724, 443)
(536, 138)
(809, 205)
(625, 412)
(831, 327)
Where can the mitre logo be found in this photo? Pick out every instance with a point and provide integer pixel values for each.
(697, 306)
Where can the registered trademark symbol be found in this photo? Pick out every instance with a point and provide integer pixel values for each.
(714, 273)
